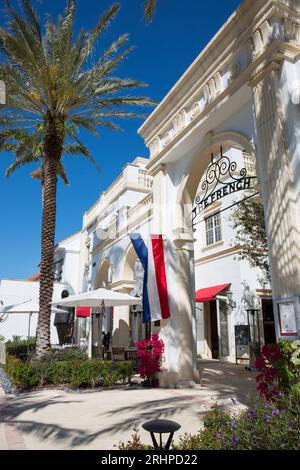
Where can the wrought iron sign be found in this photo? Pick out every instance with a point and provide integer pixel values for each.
(220, 180)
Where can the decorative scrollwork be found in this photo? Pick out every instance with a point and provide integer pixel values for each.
(217, 172)
(221, 173)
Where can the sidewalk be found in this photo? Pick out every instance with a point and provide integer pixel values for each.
(10, 437)
(55, 419)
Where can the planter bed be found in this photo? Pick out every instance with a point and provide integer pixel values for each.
(73, 374)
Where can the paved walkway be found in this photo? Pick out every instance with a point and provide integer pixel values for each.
(10, 437)
(55, 419)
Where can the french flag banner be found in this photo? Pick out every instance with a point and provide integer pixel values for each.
(153, 254)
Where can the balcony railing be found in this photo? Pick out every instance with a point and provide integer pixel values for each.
(144, 179)
(141, 211)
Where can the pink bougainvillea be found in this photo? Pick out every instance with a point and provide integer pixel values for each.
(149, 355)
(271, 363)
(279, 369)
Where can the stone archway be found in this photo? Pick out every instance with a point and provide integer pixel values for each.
(198, 165)
(180, 333)
(130, 259)
(189, 188)
(104, 274)
(125, 284)
(103, 323)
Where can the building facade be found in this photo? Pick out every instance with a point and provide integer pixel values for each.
(242, 93)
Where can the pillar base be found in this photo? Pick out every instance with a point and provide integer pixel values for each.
(173, 380)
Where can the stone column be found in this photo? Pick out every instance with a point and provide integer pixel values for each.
(185, 308)
(179, 367)
(158, 224)
(121, 326)
(178, 333)
(276, 181)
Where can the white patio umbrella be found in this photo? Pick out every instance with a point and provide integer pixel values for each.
(99, 298)
(28, 306)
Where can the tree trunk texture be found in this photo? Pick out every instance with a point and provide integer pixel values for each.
(53, 149)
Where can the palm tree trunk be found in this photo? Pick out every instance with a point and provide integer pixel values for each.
(53, 148)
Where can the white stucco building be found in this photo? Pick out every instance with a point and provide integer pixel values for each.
(241, 93)
(15, 291)
(109, 260)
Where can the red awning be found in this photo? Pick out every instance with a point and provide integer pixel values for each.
(209, 293)
(83, 312)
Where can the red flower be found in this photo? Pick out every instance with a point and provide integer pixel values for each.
(271, 363)
(149, 354)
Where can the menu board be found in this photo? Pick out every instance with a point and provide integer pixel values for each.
(242, 334)
(287, 319)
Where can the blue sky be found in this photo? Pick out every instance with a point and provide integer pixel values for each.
(165, 48)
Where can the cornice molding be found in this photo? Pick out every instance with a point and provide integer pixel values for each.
(220, 254)
(157, 169)
(122, 284)
(253, 37)
(261, 72)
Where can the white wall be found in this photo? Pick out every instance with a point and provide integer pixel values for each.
(14, 291)
(69, 250)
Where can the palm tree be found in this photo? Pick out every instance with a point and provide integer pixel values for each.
(150, 8)
(54, 89)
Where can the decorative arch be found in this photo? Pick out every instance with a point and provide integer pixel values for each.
(103, 275)
(130, 258)
(197, 167)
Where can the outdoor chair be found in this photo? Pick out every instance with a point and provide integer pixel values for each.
(118, 354)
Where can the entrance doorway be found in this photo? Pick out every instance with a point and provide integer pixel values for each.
(214, 340)
(268, 321)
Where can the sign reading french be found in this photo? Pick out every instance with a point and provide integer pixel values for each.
(225, 190)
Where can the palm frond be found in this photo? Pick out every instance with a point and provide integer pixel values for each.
(51, 73)
(150, 8)
(61, 172)
(103, 23)
(20, 162)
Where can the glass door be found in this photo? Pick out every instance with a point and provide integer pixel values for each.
(223, 314)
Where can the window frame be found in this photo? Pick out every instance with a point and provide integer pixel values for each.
(212, 229)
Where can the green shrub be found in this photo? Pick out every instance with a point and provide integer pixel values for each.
(262, 426)
(75, 374)
(66, 354)
(134, 443)
(18, 346)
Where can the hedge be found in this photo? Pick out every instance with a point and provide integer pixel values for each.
(18, 346)
(75, 374)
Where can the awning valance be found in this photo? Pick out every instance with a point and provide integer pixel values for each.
(83, 312)
(209, 293)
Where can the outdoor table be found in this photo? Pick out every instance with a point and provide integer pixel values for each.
(161, 426)
(130, 353)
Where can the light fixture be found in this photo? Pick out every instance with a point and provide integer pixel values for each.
(231, 303)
